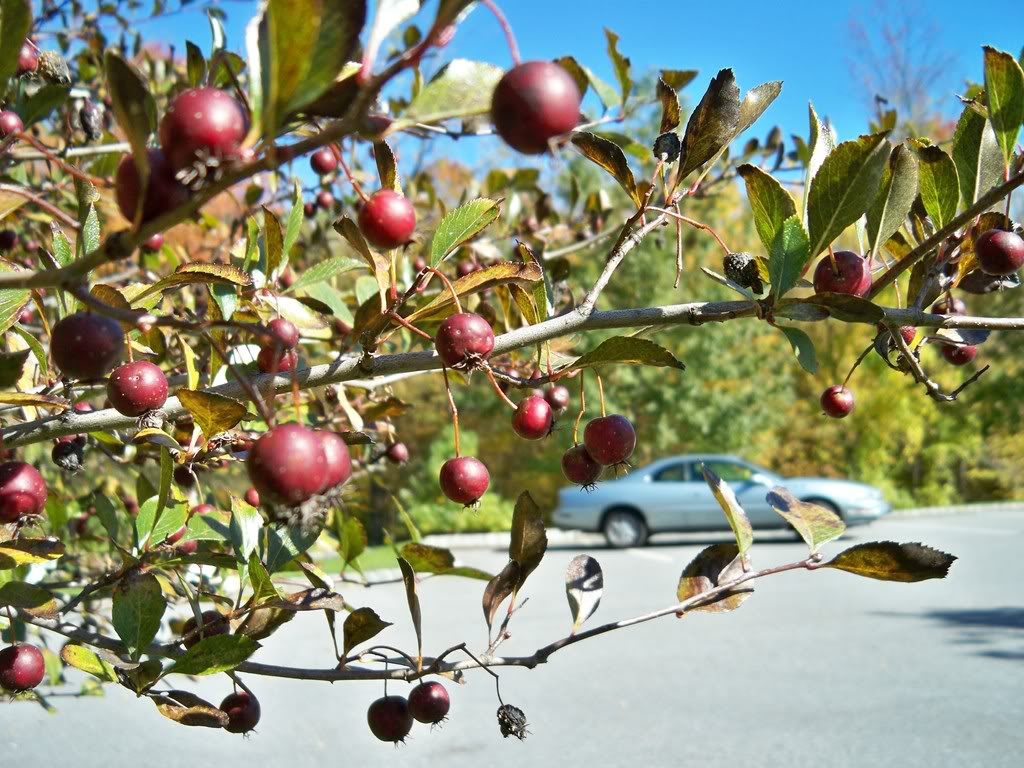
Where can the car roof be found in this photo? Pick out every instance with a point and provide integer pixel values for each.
(697, 457)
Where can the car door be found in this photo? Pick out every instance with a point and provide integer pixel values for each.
(699, 510)
(750, 492)
(663, 495)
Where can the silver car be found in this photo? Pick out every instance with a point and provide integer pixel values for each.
(671, 495)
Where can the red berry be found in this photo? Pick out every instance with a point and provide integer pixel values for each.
(397, 453)
(243, 711)
(609, 439)
(323, 161)
(213, 624)
(532, 419)
(949, 305)
(287, 464)
(464, 479)
(429, 702)
(177, 536)
(205, 509)
(959, 355)
(10, 123)
(336, 458)
(578, 466)
(908, 332)
(309, 210)
(201, 123)
(28, 59)
(1000, 252)
(153, 243)
(286, 279)
(163, 192)
(558, 397)
(136, 388)
(282, 332)
(851, 274)
(187, 547)
(270, 360)
(324, 200)
(8, 240)
(22, 491)
(533, 103)
(465, 267)
(86, 346)
(252, 497)
(464, 339)
(837, 401)
(387, 219)
(21, 667)
(389, 718)
(184, 477)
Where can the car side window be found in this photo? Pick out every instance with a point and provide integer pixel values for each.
(675, 473)
(731, 473)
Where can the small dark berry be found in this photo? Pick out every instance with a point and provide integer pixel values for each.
(213, 624)
(243, 711)
(389, 718)
(667, 147)
(429, 702)
(741, 268)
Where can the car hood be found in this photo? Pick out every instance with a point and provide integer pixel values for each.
(795, 484)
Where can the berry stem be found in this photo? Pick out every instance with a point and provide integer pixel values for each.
(579, 416)
(348, 172)
(261, 407)
(296, 393)
(69, 169)
(455, 411)
(679, 248)
(600, 392)
(497, 387)
(406, 324)
(510, 38)
(39, 202)
(863, 355)
(449, 286)
(693, 223)
(832, 261)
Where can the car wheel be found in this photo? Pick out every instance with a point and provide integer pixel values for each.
(624, 528)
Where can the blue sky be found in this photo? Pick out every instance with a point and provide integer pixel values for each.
(805, 43)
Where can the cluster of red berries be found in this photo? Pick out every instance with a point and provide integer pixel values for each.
(607, 441)
(391, 717)
(277, 351)
(290, 464)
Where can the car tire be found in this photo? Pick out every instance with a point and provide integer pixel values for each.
(624, 528)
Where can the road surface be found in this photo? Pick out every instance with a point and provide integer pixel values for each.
(815, 669)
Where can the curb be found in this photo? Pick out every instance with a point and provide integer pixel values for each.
(961, 509)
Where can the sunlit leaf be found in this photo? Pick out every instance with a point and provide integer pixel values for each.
(889, 561)
(815, 524)
(584, 584)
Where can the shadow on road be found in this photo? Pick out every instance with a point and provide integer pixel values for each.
(992, 632)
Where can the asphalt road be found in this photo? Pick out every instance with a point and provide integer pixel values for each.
(815, 669)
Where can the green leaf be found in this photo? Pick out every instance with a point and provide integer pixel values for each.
(714, 565)
(844, 187)
(387, 166)
(285, 544)
(815, 524)
(670, 113)
(133, 104)
(529, 539)
(15, 23)
(712, 124)
(769, 201)
(379, 265)
(409, 577)
(195, 64)
(138, 607)
(217, 653)
(803, 347)
(620, 350)
(1004, 92)
(263, 588)
(608, 155)
(30, 598)
(462, 88)
(41, 104)
(12, 301)
(198, 713)
(584, 584)
(87, 661)
(622, 65)
(460, 225)
(12, 365)
(352, 538)
(361, 625)
(790, 252)
(273, 238)
(846, 307)
(171, 520)
(288, 26)
(734, 513)
(819, 145)
(755, 102)
(26, 551)
(940, 188)
(895, 196)
(427, 559)
(145, 519)
(677, 79)
(335, 45)
(213, 413)
(499, 588)
(889, 561)
(978, 158)
(609, 98)
(510, 273)
(294, 226)
(246, 525)
(325, 270)
(196, 272)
